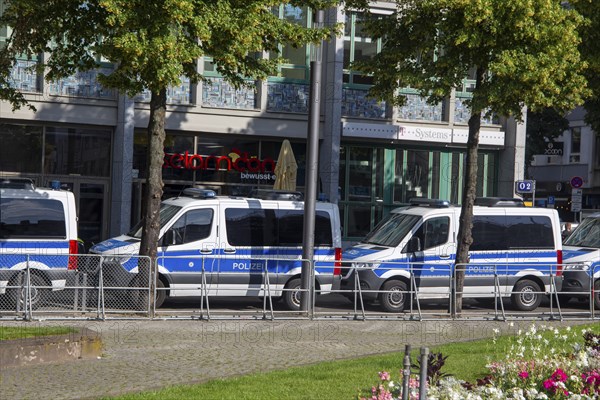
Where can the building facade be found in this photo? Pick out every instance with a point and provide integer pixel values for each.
(567, 175)
(372, 157)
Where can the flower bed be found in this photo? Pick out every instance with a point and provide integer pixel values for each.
(566, 366)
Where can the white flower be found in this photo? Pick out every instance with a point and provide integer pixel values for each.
(496, 331)
(531, 392)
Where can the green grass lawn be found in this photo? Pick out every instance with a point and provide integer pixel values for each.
(23, 332)
(343, 379)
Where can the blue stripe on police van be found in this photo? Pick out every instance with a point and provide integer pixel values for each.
(38, 244)
(356, 252)
(109, 245)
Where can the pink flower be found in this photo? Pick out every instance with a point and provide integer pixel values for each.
(559, 375)
(413, 383)
(550, 385)
(384, 376)
(524, 375)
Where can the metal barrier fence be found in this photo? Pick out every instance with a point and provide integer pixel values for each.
(274, 281)
(208, 287)
(42, 287)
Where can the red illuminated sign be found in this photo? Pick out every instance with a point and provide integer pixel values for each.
(236, 161)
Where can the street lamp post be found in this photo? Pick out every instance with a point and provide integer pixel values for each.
(312, 165)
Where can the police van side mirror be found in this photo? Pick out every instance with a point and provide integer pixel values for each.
(413, 245)
(168, 239)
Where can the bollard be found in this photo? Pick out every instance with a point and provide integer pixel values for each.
(406, 373)
(423, 373)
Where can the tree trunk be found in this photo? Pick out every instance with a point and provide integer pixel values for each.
(154, 188)
(464, 239)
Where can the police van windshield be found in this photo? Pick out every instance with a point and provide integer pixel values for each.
(167, 211)
(392, 230)
(587, 234)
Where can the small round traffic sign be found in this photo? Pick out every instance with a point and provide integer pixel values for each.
(576, 182)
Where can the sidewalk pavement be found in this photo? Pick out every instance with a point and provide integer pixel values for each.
(144, 355)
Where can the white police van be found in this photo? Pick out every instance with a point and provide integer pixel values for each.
(38, 228)
(581, 253)
(235, 240)
(516, 249)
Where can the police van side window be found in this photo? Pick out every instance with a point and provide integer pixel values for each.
(529, 232)
(291, 224)
(489, 233)
(497, 232)
(257, 227)
(192, 226)
(433, 232)
(251, 227)
(32, 218)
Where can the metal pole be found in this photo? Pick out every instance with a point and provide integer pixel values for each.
(312, 164)
(406, 373)
(423, 373)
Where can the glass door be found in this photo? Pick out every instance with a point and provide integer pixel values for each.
(91, 201)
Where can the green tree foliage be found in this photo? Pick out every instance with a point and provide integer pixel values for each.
(542, 127)
(152, 43)
(590, 51)
(520, 53)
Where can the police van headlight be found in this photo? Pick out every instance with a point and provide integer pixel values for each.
(576, 267)
(365, 265)
(116, 260)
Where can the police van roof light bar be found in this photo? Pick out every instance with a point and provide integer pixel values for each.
(499, 202)
(268, 194)
(198, 193)
(423, 202)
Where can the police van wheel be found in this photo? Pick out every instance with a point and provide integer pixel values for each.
(292, 296)
(526, 295)
(38, 296)
(393, 296)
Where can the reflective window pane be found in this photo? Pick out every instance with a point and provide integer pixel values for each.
(21, 148)
(360, 177)
(359, 220)
(417, 174)
(77, 151)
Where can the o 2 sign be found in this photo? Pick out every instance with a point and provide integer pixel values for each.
(524, 186)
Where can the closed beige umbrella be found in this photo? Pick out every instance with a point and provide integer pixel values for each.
(286, 168)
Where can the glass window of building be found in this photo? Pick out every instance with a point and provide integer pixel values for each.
(575, 156)
(597, 152)
(297, 59)
(357, 47)
(231, 165)
(77, 151)
(21, 149)
(375, 180)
